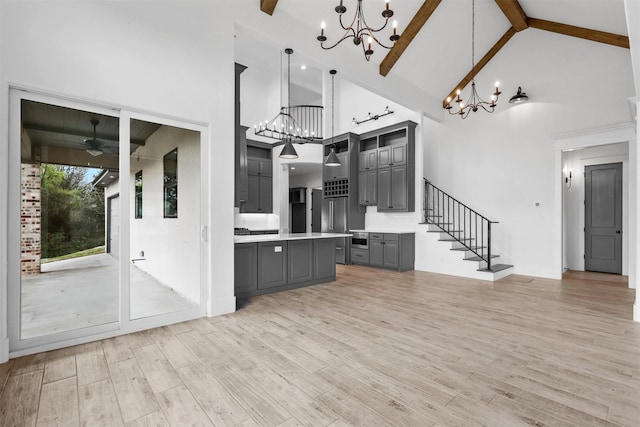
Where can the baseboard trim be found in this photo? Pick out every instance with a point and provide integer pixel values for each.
(221, 306)
(4, 350)
(636, 311)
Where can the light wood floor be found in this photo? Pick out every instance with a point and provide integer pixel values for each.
(375, 348)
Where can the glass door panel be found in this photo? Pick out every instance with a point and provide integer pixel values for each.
(68, 233)
(165, 202)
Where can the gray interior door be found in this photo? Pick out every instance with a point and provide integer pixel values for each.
(316, 210)
(603, 218)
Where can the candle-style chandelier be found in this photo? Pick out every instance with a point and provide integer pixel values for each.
(474, 102)
(359, 29)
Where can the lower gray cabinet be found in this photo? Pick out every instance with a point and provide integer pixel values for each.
(391, 250)
(272, 264)
(376, 252)
(324, 259)
(266, 267)
(360, 256)
(383, 250)
(245, 262)
(301, 261)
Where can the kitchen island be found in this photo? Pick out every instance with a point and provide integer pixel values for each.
(278, 262)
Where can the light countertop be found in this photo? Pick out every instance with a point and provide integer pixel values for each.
(286, 236)
(384, 231)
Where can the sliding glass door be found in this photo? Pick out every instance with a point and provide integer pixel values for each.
(164, 194)
(106, 231)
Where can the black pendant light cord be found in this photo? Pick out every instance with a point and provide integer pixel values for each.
(333, 105)
(473, 35)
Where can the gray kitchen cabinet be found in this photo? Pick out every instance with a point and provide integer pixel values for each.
(368, 188)
(241, 189)
(395, 251)
(360, 256)
(384, 189)
(392, 155)
(393, 189)
(399, 193)
(376, 251)
(368, 160)
(301, 261)
(390, 251)
(259, 166)
(260, 186)
(390, 151)
(272, 264)
(265, 191)
(324, 259)
(267, 267)
(245, 271)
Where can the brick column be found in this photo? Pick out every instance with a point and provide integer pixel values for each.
(30, 218)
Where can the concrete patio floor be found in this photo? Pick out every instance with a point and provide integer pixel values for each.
(83, 292)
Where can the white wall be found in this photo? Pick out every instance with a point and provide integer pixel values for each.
(164, 58)
(170, 245)
(259, 97)
(573, 208)
(4, 179)
(501, 164)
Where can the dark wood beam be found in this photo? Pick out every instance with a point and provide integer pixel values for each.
(268, 6)
(414, 26)
(583, 33)
(514, 13)
(485, 59)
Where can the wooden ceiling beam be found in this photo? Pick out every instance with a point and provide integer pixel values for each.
(414, 26)
(268, 6)
(580, 32)
(480, 65)
(514, 13)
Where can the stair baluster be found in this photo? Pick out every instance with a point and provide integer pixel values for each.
(469, 228)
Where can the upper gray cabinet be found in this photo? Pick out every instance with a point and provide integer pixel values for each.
(260, 180)
(241, 182)
(390, 152)
(368, 160)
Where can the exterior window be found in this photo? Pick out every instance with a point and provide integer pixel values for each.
(170, 161)
(138, 204)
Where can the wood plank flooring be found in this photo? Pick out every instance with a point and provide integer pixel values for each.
(375, 348)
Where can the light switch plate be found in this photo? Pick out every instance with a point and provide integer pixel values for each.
(277, 248)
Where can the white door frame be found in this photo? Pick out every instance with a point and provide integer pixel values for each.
(623, 132)
(16, 346)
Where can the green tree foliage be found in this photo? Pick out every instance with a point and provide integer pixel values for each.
(72, 210)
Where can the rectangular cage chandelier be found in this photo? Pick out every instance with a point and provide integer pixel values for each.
(298, 123)
(294, 123)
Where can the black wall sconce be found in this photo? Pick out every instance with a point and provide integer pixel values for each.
(567, 179)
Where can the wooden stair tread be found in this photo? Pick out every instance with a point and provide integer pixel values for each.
(496, 268)
(453, 239)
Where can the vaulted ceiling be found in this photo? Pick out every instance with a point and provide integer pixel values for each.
(434, 51)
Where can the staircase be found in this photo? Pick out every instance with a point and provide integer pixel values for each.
(466, 233)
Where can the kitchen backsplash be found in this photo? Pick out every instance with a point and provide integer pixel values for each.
(256, 221)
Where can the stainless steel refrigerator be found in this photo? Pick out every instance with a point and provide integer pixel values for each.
(334, 220)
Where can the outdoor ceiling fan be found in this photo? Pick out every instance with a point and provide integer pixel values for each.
(93, 146)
